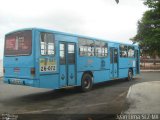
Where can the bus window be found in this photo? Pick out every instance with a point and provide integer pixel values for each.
(115, 56)
(111, 55)
(104, 48)
(97, 48)
(86, 47)
(71, 53)
(130, 51)
(101, 48)
(123, 51)
(18, 43)
(62, 54)
(47, 44)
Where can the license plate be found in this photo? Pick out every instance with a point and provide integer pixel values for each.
(16, 82)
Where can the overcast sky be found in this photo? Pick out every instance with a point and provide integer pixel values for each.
(96, 18)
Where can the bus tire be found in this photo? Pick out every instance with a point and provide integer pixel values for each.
(87, 82)
(130, 75)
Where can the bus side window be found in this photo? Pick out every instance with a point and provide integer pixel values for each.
(90, 45)
(47, 44)
(131, 51)
(86, 47)
(104, 47)
(101, 49)
(123, 51)
(97, 48)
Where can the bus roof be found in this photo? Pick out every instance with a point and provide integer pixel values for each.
(70, 34)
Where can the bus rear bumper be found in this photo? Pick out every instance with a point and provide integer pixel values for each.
(20, 81)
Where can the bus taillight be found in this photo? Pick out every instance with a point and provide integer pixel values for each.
(32, 71)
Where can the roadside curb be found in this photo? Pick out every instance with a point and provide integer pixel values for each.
(150, 70)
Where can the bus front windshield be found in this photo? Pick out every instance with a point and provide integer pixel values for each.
(18, 43)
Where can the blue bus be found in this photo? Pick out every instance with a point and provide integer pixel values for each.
(50, 59)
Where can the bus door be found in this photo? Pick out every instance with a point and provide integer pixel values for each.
(137, 61)
(67, 64)
(113, 62)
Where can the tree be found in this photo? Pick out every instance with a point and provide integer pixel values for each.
(117, 1)
(148, 32)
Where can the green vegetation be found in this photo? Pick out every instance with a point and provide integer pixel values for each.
(148, 32)
(117, 1)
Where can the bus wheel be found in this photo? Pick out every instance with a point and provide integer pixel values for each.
(130, 75)
(86, 82)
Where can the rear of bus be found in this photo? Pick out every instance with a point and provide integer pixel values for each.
(18, 61)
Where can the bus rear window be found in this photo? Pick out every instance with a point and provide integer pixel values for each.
(18, 43)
